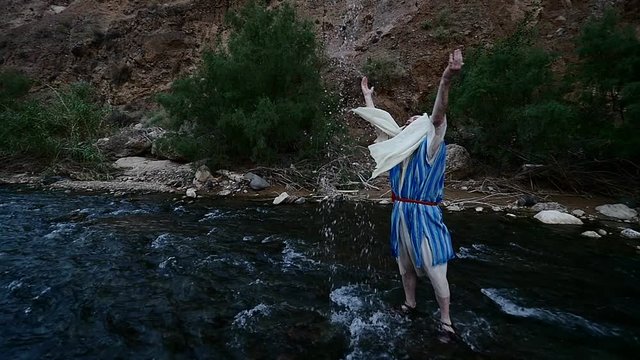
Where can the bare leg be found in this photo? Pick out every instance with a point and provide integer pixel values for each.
(445, 318)
(409, 280)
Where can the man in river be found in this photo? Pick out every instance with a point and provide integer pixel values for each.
(415, 156)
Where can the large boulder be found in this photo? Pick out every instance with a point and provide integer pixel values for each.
(617, 211)
(557, 217)
(135, 141)
(458, 162)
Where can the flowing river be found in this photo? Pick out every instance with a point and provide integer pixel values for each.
(150, 277)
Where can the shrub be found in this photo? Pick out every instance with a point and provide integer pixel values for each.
(62, 128)
(510, 98)
(609, 75)
(259, 98)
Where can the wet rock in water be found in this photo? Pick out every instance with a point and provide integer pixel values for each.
(578, 213)
(591, 234)
(630, 234)
(549, 206)
(557, 218)
(256, 182)
(617, 211)
(191, 192)
(527, 200)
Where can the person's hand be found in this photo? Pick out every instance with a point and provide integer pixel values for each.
(455, 63)
(366, 90)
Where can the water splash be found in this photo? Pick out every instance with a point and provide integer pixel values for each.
(506, 299)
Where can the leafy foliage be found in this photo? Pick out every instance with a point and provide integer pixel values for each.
(61, 128)
(260, 97)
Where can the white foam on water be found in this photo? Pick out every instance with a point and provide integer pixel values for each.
(128, 212)
(293, 259)
(244, 318)
(505, 299)
(14, 285)
(373, 331)
(179, 209)
(240, 263)
(60, 229)
(170, 261)
(218, 214)
(161, 241)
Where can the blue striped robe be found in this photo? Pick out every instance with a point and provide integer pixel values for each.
(424, 182)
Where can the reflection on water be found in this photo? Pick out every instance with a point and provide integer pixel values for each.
(90, 276)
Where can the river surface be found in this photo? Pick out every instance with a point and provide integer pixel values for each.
(148, 277)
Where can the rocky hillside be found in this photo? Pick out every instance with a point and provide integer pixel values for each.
(132, 49)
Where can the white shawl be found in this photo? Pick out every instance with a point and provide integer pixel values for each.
(403, 142)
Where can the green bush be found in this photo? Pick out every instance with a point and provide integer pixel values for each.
(609, 76)
(261, 96)
(61, 128)
(510, 99)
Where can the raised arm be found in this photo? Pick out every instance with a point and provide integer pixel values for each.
(438, 115)
(367, 92)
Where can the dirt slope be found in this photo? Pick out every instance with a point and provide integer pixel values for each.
(132, 49)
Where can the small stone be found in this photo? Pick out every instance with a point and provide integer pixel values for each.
(479, 209)
(300, 200)
(384, 202)
(57, 9)
(561, 18)
(591, 234)
(465, 188)
(548, 206)
(225, 192)
(191, 192)
(511, 215)
(282, 197)
(630, 234)
(578, 213)
(496, 208)
(601, 232)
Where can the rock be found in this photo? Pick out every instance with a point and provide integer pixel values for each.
(57, 9)
(225, 192)
(527, 200)
(129, 142)
(630, 234)
(561, 18)
(496, 208)
(591, 234)
(557, 217)
(256, 182)
(299, 201)
(235, 177)
(282, 197)
(548, 206)
(617, 211)
(578, 213)
(203, 174)
(458, 162)
(601, 232)
(191, 192)
(161, 171)
(479, 209)
(511, 215)
(454, 208)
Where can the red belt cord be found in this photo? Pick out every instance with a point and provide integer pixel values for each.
(395, 198)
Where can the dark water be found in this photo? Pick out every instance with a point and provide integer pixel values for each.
(91, 276)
